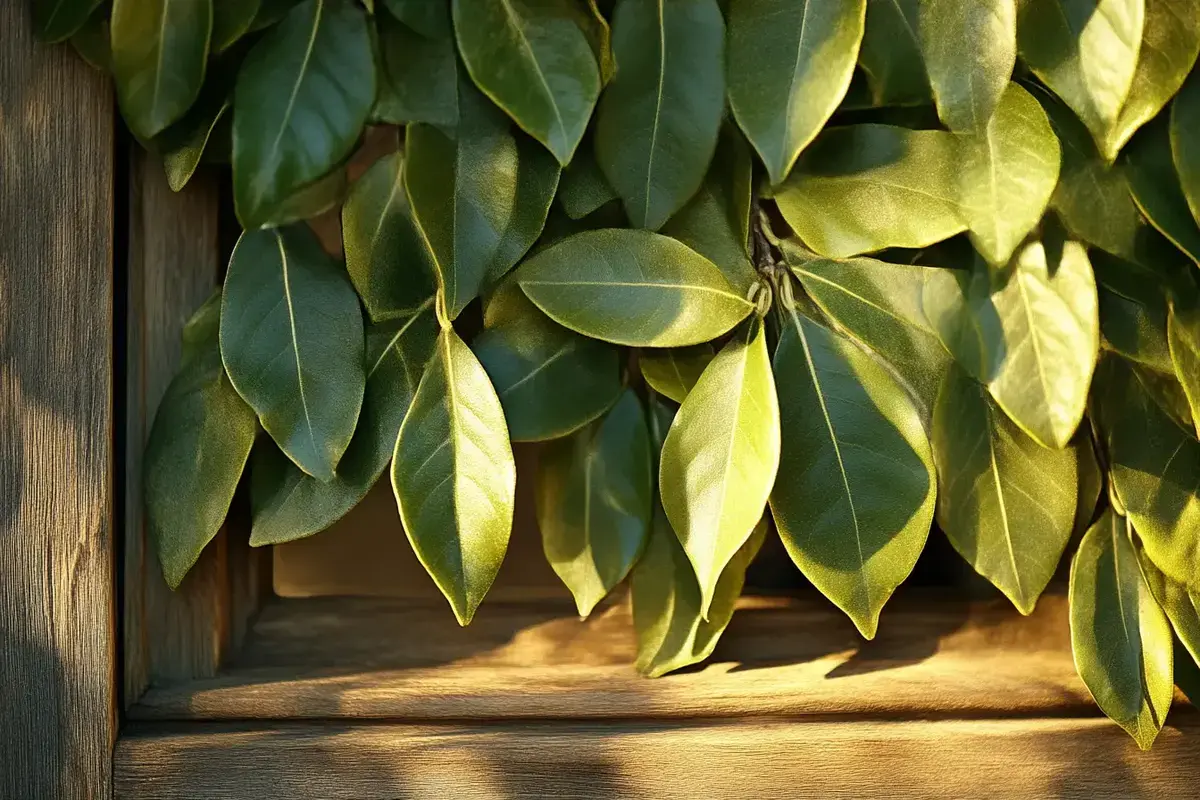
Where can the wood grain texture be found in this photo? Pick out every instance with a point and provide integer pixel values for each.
(57, 626)
(358, 658)
(173, 268)
(1068, 758)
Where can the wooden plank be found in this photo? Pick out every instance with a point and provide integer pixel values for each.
(371, 659)
(1067, 758)
(57, 609)
(173, 269)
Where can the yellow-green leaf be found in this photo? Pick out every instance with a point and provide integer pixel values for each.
(1156, 186)
(970, 47)
(672, 372)
(1183, 337)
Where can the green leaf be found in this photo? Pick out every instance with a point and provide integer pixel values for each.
(1185, 151)
(159, 49)
(314, 199)
(1042, 356)
(1183, 337)
(856, 492)
(454, 476)
(584, 187)
(1156, 187)
(182, 145)
(957, 303)
(1182, 606)
(198, 446)
(634, 288)
(1120, 637)
(385, 254)
(790, 64)
(418, 80)
(1134, 330)
(672, 372)
(666, 600)
(93, 40)
(1008, 174)
(56, 20)
(594, 501)
(716, 221)
(869, 187)
(232, 19)
(551, 381)
(302, 97)
(292, 342)
(1006, 503)
(879, 305)
(1092, 197)
(1170, 44)
(890, 54)
(1089, 480)
(285, 503)
(657, 123)
(970, 48)
(1086, 51)
(430, 18)
(720, 457)
(532, 58)
(1154, 468)
(599, 34)
(270, 12)
(479, 196)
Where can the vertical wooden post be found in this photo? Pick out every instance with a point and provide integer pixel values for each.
(57, 618)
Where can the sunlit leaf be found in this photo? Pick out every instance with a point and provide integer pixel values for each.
(969, 47)
(672, 372)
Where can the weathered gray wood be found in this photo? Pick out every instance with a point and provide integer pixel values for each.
(1018, 758)
(173, 268)
(57, 626)
(374, 659)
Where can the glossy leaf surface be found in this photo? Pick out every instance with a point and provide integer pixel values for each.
(292, 342)
(849, 431)
(454, 476)
(634, 288)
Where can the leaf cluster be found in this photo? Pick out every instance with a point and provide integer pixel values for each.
(823, 269)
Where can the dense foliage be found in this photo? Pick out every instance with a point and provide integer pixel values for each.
(646, 245)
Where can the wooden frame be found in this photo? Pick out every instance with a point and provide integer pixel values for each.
(222, 690)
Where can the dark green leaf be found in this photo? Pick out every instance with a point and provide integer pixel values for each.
(1154, 468)
(198, 446)
(1156, 187)
(632, 287)
(302, 97)
(1185, 150)
(1170, 43)
(1089, 480)
(292, 341)
(891, 53)
(584, 187)
(1183, 336)
(287, 504)
(479, 197)
(790, 63)
(1086, 51)
(270, 12)
(879, 305)
(159, 50)
(93, 40)
(666, 600)
(232, 20)
(1120, 637)
(1008, 173)
(419, 77)
(454, 476)
(551, 381)
(56, 20)
(720, 457)
(1136, 331)
(182, 145)
(532, 58)
(869, 187)
(594, 501)
(1006, 503)
(716, 221)
(430, 18)
(1168, 394)
(957, 304)
(658, 120)
(970, 47)
(385, 254)
(672, 372)
(855, 495)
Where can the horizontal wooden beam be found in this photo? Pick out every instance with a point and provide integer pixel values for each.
(1084, 758)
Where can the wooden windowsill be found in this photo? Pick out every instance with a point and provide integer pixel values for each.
(375, 698)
